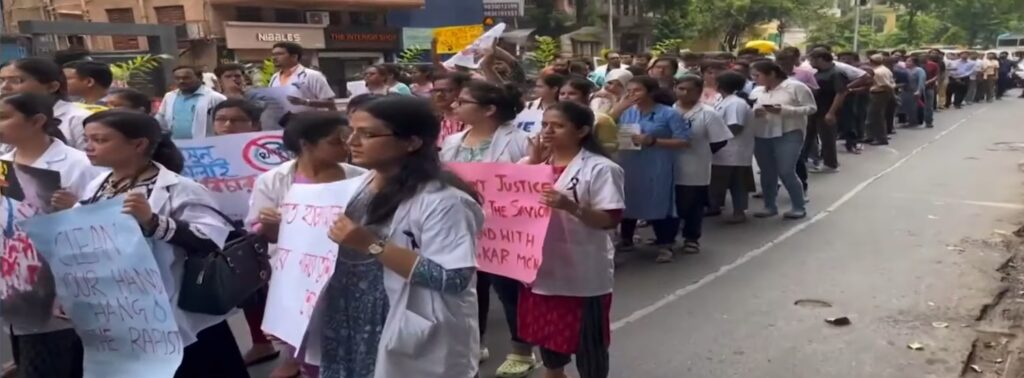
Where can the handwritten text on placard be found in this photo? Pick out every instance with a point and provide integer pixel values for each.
(516, 223)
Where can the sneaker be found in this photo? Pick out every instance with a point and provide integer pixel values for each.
(691, 247)
(485, 354)
(929, 125)
(766, 213)
(824, 169)
(516, 366)
(795, 214)
(736, 219)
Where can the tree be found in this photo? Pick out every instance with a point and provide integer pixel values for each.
(978, 21)
(547, 20)
(732, 19)
(911, 10)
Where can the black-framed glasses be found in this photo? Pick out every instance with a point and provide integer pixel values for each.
(363, 135)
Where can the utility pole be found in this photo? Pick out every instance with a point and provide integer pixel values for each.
(856, 26)
(611, 24)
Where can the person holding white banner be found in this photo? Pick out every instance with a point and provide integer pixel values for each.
(27, 124)
(175, 213)
(489, 110)
(317, 140)
(566, 311)
(235, 116)
(408, 244)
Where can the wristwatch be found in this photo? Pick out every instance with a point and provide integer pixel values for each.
(377, 247)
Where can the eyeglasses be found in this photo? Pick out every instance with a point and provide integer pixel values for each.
(363, 135)
(459, 102)
(236, 121)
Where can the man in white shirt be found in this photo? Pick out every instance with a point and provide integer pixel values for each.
(708, 134)
(306, 89)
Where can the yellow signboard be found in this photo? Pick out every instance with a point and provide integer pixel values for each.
(452, 39)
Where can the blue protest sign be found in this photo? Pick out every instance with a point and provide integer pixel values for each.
(110, 286)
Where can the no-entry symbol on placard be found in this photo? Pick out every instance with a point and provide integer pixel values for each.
(265, 153)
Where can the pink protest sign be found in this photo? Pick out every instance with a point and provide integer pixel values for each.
(512, 240)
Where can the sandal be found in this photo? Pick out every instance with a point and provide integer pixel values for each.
(516, 366)
(665, 255)
(691, 247)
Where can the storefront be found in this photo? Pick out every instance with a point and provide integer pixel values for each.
(252, 41)
(349, 50)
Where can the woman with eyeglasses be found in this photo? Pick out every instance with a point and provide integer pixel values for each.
(235, 116)
(488, 110)
(566, 310)
(445, 91)
(43, 76)
(412, 229)
(318, 141)
(546, 90)
(649, 164)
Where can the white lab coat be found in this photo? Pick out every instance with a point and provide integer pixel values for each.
(579, 259)
(509, 145)
(429, 334)
(202, 121)
(305, 83)
(76, 172)
(71, 116)
(272, 186)
(182, 199)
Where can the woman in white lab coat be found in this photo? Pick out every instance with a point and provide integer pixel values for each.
(43, 76)
(418, 223)
(52, 349)
(566, 310)
(318, 141)
(175, 214)
(489, 109)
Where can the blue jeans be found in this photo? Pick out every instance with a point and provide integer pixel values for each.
(777, 159)
(929, 105)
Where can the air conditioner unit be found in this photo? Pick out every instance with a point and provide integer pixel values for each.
(318, 18)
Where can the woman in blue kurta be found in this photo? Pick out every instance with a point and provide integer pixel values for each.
(649, 171)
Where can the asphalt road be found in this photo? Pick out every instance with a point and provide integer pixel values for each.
(874, 246)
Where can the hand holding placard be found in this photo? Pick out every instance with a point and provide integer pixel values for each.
(516, 222)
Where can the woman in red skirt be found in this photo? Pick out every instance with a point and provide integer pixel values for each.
(565, 312)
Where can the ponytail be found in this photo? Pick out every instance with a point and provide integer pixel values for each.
(507, 99)
(52, 128)
(168, 155)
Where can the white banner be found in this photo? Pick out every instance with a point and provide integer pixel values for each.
(228, 165)
(305, 256)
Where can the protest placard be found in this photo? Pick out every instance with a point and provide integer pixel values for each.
(109, 284)
(452, 39)
(305, 256)
(516, 223)
(229, 164)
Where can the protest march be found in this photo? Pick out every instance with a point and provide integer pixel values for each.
(362, 234)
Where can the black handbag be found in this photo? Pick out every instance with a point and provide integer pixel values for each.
(216, 282)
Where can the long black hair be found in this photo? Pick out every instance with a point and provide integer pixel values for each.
(45, 71)
(135, 125)
(767, 67)
(507, 99)
(408, 118)
(581, 116)
(135, 99)
(311, 127)
(33, 104)
(582, 85)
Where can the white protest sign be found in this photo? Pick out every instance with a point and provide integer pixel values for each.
(467, 57)
(305, 256)
(109, 284)
(229, 164)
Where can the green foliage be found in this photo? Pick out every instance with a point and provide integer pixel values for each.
(672, 24)
(546, 19)
(838, 33)
(668, 46)
(545, 52)
(261, 73)
(733, 19)
(412, 55)
(135, 72)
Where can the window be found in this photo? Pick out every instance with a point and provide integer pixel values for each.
(289, 16)
(366, 18)
(336, 18)
(123, 16)
(172, 15)
(249, 14)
